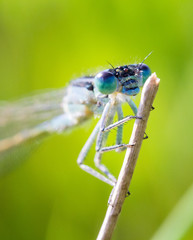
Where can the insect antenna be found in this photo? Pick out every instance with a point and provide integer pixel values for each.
(145, 58)
(110, 64)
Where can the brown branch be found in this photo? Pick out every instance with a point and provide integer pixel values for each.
(120, 190)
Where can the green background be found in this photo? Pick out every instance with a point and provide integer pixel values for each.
(44, 44)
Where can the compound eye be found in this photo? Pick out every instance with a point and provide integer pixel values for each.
(146, 72)
(106, 82)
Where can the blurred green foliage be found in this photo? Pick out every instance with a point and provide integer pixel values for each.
(44, 44)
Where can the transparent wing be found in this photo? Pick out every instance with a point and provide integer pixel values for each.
(21, 125)
(30, 111)
(75, 100)
(24, 123)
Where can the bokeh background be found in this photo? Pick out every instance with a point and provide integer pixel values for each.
(45, 44)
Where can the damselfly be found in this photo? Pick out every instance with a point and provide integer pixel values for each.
(28, 119)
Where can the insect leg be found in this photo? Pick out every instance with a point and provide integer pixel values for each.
(101, 140)
(107, 115)
(102, 167)
(120, 116)
(134, 108)
(120, 122)
(115, 147)
(83, 154)
(119, 129)
(132, 105)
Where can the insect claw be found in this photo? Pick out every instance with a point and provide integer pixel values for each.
(145, 136)
(131, 145)
(127, 194)
(140, 118)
